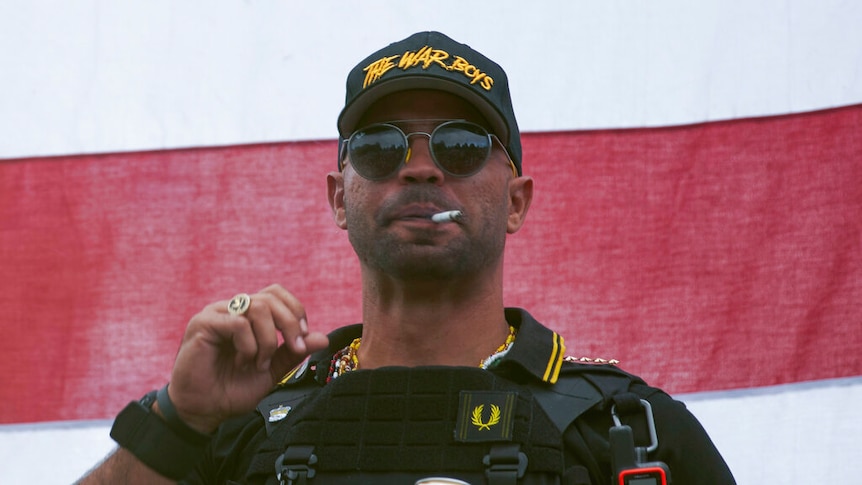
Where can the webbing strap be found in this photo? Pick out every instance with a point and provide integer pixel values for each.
(627, 403)
(628, 407)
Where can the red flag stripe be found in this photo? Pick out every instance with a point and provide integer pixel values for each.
(713, 256)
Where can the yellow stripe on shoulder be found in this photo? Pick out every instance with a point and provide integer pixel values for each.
(555, 361)
(298, 369)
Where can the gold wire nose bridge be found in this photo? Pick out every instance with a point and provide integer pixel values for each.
(409, 147)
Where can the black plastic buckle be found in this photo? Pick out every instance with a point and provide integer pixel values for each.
(296, 465)
(504, 465)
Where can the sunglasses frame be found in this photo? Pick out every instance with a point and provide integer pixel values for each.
(345, 147)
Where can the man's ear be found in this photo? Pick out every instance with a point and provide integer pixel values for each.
(335, 194)
(520, 197)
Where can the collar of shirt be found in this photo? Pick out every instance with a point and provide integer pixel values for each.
(537, 349)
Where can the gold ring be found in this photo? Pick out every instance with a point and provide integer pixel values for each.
(239, 304)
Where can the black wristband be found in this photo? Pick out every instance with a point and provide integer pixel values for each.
(158, 445)
(175, 422)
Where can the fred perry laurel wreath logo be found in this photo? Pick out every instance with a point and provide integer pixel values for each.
(485, 416)
(476, 419)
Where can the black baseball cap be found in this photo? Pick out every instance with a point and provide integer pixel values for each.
(431, 60)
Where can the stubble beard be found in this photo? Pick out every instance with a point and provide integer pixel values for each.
(423, 260)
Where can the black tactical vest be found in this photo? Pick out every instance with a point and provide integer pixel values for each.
(400, 425)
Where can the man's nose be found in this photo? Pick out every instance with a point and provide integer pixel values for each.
(419, 165)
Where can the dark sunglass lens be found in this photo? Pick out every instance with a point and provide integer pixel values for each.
(377, 151)
(461, 148)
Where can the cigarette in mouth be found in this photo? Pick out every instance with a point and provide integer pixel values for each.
(447, 216)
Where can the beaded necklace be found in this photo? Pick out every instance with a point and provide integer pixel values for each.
(346, 359)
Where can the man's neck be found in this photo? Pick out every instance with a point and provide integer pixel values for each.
(431, 324)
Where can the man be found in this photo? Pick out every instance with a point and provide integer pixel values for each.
(440, 380)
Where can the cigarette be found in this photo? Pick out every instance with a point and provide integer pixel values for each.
(447, 216)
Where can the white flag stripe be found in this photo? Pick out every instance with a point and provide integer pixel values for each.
(790, 434)
(94, 77)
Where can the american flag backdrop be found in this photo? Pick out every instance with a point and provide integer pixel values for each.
(698, 207)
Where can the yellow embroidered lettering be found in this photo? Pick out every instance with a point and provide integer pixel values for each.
(459, 64)
(487, 83)
(410, 59)
(473, 72)
(438, 56)
(377, 69)
(424, 57)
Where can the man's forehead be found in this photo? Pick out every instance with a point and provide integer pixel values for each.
(421, 104)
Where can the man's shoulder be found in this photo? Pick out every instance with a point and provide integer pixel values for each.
(536, 340)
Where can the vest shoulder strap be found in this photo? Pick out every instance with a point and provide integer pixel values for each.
(580, 388)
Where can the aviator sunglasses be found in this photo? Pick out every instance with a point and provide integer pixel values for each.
(458, 147)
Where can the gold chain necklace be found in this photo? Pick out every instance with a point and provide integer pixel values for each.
(347, 359)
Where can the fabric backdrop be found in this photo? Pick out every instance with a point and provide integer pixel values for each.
(708, 239)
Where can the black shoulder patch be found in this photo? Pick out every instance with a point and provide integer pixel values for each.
(485, 416)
